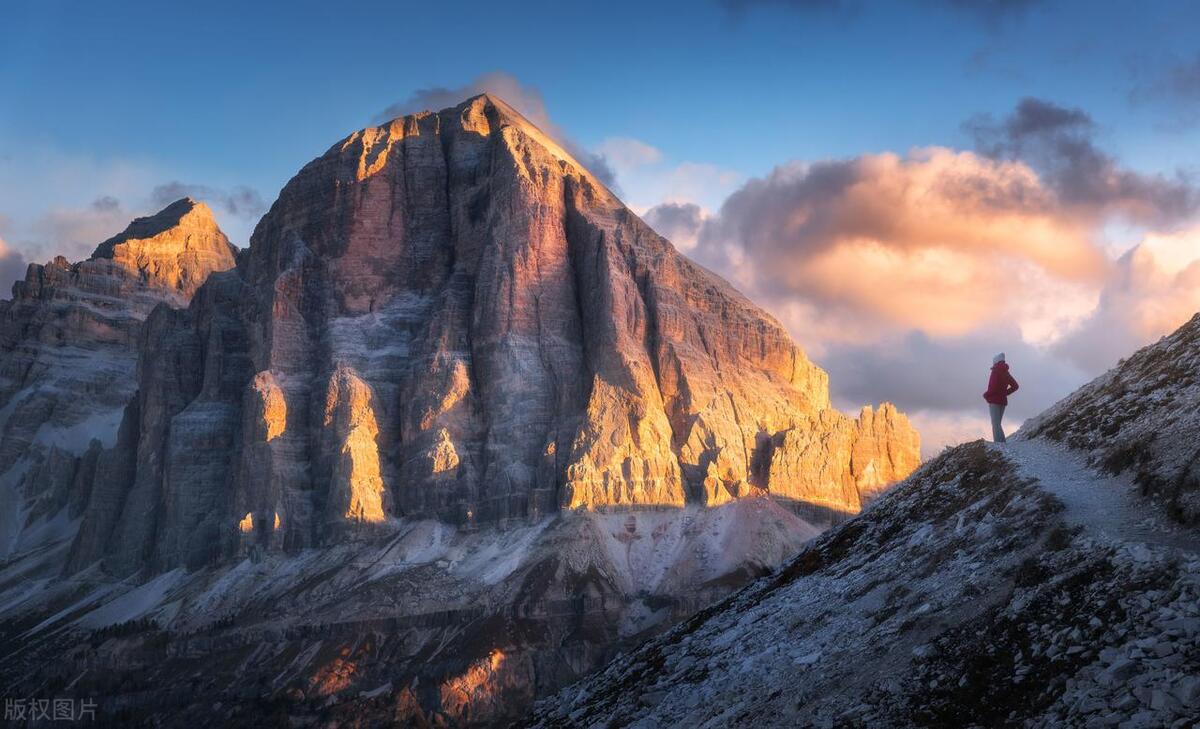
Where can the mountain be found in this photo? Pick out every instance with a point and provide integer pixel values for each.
(446, 317)
(68, 349)
(1051, 581)
(456, 429)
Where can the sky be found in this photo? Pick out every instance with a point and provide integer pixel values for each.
(909, 186)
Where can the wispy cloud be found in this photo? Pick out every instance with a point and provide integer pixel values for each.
(931, 241)
(241, 201)
(59, 202)
(1172, 84)
(680, 223)
(648, 177)
(1153, 289)
(74, 232)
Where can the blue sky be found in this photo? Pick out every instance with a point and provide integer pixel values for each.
(244, 93)
(102, 104)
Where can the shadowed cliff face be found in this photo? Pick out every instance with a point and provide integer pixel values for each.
(447, 317)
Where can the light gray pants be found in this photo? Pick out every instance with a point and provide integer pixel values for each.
(997, 412)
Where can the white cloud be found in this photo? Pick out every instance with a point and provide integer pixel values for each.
(939, 241)
(629, 154)
(1154, 289)
(526, 99)
(649, 178)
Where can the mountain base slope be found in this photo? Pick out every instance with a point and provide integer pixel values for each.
(970, 596)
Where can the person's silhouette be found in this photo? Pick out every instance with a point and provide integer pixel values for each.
(1000, 385)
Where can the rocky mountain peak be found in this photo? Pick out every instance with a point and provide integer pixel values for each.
(461, 323)
(176, 248)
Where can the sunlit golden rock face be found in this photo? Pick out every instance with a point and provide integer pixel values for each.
(443, 458)
(269, 418)
(474, 689)
(808, 463)
(622, 455)
(447, 317)
(356, 490)
(175, 249)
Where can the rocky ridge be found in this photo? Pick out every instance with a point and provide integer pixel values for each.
(1141, 417)
(972, 599)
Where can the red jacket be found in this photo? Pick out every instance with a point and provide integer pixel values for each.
(1000, 385)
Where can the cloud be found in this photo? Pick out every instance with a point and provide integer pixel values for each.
(679, 223)
(106, 203)
(525, 99)
(74, 232)
(948, 374)
(903, 274)
(648, 178)
(1059, 143)
(630, 153)
(59, 202)
(1172, 83)
(1183, 79)
(240, 201)
(937, 241)
(1154, 289)
(12, 268)
(1174, 79)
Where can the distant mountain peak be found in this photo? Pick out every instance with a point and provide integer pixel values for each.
(150, 226)
(176, 248)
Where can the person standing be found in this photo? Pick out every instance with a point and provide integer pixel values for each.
(1000, 385)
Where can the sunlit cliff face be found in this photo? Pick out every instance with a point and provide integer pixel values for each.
(247, 523)
(357, 491)
(474, 686)
(175, 249)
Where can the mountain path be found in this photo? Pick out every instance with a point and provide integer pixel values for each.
(1106, 506)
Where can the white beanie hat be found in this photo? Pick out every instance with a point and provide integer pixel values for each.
(998, 358)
